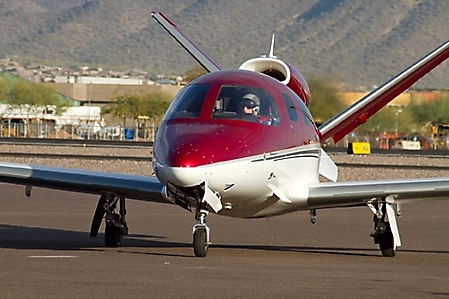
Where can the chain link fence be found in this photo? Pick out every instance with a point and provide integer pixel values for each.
(143, 132)
(94, 131)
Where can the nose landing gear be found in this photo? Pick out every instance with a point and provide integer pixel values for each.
(201, 234)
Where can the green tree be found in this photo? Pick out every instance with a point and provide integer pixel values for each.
(390, 119)
(30, 99)
(6, 83)
(30, 96)
(155, 104)
(133, 105)
(124, 106)
(194, 73)
(3, 91)
(325, 102)
(436, 111)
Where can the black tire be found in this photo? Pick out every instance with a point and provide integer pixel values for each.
(386, 243)
(112, 236)
(200, 245)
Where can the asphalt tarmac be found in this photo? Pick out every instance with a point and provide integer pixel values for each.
(46, 252)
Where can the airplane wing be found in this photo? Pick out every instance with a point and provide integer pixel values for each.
(357, 193)
(379, 196)
(186, 43)
(359, 112)
(84, 181)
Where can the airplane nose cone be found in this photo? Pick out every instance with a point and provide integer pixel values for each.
(181, 145)
(189, 153)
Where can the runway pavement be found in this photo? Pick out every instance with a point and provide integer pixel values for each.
(46, 252)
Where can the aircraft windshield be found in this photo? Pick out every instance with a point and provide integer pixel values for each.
(246, 103)
(188, 102)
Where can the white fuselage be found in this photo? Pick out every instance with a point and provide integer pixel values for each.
(256, 186)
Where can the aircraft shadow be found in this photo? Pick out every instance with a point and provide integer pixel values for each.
(23, 237)
(322, 250)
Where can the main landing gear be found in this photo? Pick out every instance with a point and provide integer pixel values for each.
(201, 233)
(116, 226)
(385, 232)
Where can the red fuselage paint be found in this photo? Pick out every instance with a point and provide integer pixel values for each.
(203, 139)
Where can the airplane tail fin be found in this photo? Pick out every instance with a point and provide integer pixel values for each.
(201, 57)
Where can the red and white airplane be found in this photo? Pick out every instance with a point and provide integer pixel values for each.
(242, 143)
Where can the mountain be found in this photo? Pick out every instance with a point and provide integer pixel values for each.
(361, 42)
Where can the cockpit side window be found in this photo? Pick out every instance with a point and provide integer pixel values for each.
(291, 108)
(308, 119)
(188, 102)
(246, 103)
(294, 105)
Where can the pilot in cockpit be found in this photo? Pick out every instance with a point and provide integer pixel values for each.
(250, 106)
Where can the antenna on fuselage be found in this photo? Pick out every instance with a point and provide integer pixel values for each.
(271, 55)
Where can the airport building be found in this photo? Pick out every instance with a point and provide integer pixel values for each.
(99, 91)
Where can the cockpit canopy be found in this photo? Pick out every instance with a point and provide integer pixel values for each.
(234, 102)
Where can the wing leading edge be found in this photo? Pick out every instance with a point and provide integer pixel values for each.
(84, 181)
(346, 194)
(358, 113)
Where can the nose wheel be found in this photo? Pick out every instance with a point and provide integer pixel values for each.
(200, 244)
(201, 234)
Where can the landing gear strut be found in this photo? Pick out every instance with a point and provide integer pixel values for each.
(201, 234)
(382, 233)
(116, 226)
